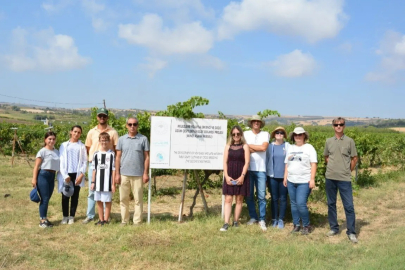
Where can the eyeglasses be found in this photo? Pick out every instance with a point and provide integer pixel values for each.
(102, 116)
(340, 125)
(279, 132)
(132, 124)
(235, 134)
(298, 135)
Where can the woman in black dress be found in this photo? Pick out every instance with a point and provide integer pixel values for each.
(236, 164)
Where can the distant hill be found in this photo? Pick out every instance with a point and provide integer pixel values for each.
(23, 113)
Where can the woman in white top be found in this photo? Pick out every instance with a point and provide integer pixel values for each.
(299, 177)
(73, 164)
(43, 176)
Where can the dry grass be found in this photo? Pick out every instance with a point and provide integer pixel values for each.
(400, 129)
(195, 243)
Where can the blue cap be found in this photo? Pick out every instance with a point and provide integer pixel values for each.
(34, 196)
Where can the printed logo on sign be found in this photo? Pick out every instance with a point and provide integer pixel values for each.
(159, 157)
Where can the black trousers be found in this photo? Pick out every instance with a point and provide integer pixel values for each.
(74, 200)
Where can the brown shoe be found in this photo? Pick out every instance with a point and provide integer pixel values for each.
(296, 229)
(306, 230)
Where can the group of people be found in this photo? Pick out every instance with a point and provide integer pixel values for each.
(110, 159)
(255, 159)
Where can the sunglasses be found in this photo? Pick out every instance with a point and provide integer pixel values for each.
(340, 125)
(235, 134)
(279, 132)
(102, 116)
(132, 124)
(298, 135)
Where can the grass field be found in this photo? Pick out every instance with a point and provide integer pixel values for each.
(10, 116)
(195, 243)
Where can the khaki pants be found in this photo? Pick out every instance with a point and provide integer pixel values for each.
(134, 184)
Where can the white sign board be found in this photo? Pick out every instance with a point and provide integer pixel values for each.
(187, 144)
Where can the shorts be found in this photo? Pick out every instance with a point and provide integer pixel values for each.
(103, 196)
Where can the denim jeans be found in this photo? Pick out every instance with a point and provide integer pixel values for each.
(299, 194)
(91, 203)
(45, 186)
(278, 198)
(346, 194)
(258, 180)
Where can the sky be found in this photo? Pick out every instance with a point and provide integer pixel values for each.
(299, 57)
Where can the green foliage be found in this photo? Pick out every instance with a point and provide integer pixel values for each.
(265, 113)
(144, 124)
(366, 179)
(185, 109)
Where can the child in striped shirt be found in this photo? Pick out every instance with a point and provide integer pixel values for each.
(103, 165)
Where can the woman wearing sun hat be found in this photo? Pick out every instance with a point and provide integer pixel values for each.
(299, 177)
(275, 156)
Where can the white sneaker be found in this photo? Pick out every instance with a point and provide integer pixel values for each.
(251, 221)
(262, 225)
(64, 220)
(71, 220)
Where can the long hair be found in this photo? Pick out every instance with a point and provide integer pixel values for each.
(49, 133)
(242, 138)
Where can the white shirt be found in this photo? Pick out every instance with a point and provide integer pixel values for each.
(257, 159)
(299, 159)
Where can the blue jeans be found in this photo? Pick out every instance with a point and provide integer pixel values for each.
(45, 186)
(258, 180)
(346, 194)
(278, 198)
(91, 203)
(299, 194)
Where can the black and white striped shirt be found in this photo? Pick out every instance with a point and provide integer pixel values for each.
(104, 165)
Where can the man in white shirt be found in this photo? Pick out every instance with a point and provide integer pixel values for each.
(258, 142)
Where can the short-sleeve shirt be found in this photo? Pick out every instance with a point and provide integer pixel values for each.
(299, 159)
(132, 157)
(104, 165)
(50, 159)
(340, 153)
(92, 140)
(257, 159)
(278, 156)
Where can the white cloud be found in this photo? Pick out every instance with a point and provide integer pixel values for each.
(52, 6)
(211, 61)
(181, 10)
(392, 53)
(92, 6)
(99, 24)
(293, 64)
(400, 46)
(345, 47)
(313, 20)
(188, 38)
(153, 65)
(45, 51)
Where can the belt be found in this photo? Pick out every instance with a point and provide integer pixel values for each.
(52, 171)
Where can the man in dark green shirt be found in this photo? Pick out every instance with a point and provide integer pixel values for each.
(341, 158)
